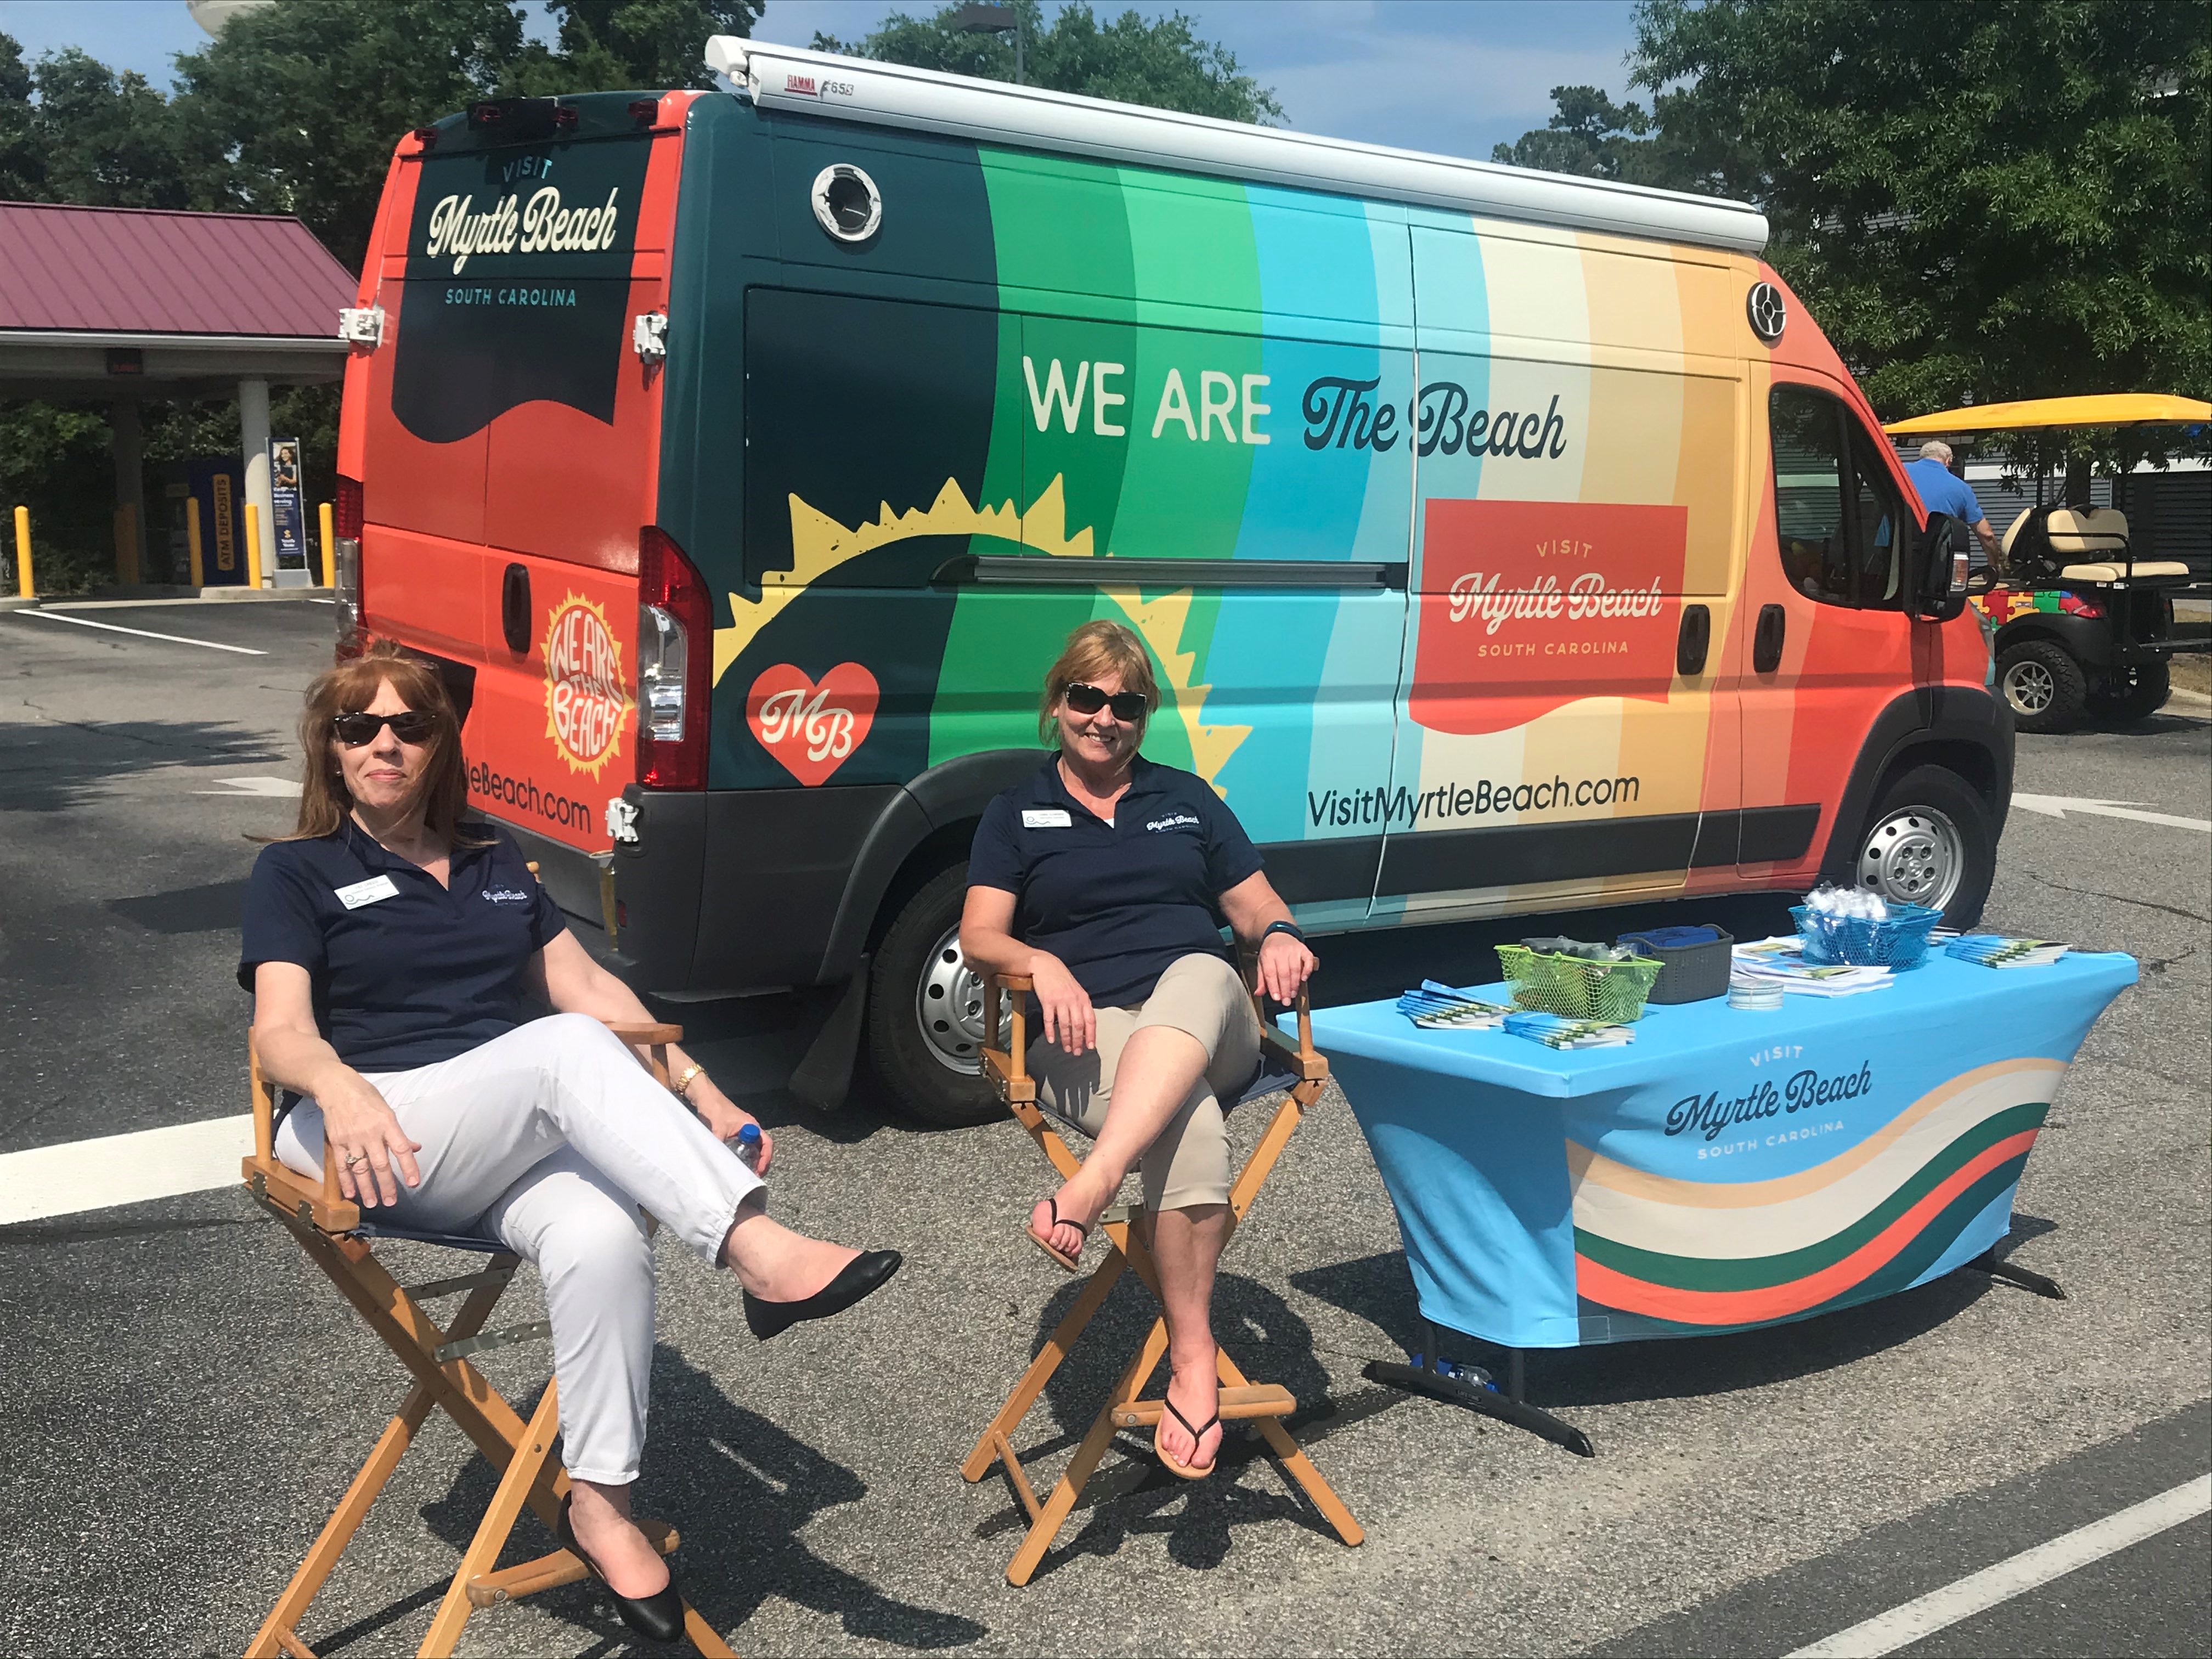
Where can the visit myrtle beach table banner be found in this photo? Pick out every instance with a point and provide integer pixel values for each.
(1729, 1168)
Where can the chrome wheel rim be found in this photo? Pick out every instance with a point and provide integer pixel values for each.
(2029, 687)
(948, 1005)
(1914, 857)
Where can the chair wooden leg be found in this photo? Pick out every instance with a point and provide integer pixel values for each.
(1061, 1504)
(337, 1532)
(279, 1632)
(1294, 1461)
(1047, 1361)
(524, 1471)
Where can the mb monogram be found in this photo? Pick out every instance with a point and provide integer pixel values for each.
(812, 727)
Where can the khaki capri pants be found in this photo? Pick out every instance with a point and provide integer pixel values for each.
(1188, 1165)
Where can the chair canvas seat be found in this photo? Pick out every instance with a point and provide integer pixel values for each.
(418, 1236)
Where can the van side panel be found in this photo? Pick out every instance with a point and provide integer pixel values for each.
(1576, 429)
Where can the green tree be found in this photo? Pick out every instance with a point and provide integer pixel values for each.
(1978, 202)
(608, 45)
(22, 162)
(1591, 136)
(296, 108)
(1162, 63)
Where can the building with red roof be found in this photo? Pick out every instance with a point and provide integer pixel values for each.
(117, 305)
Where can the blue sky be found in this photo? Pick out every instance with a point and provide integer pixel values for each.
(1452, 76)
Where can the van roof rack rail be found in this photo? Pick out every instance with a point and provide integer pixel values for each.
(819, 83)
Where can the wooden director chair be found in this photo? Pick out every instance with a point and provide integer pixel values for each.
(1299, 1074)
(329, 1228)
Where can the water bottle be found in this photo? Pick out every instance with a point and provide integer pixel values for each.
(748, 1145)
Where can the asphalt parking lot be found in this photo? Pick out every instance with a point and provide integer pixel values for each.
(186, 1400)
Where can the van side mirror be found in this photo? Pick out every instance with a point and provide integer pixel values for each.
(1939, 575)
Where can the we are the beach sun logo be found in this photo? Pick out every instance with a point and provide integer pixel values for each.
(586, 696)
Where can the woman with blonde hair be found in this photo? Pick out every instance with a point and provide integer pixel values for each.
(394, 947)
(1100, 880)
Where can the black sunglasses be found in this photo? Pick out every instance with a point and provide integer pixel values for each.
(409, 725)
(1128, 706)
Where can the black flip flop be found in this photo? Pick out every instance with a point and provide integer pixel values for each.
(1186, 1471)
(1070, 1262)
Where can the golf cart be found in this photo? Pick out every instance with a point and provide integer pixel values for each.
(2081, 628)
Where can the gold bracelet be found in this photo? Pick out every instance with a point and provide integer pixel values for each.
(683, 1083)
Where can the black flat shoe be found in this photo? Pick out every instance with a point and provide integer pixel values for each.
(658, 1617)
(861, 1277)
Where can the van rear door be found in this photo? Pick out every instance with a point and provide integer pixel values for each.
(509, 447)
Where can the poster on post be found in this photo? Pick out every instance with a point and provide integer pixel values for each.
(287, 519)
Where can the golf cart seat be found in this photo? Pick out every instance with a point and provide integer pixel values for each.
(2078, 544)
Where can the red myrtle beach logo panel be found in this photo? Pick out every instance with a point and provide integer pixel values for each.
(1527, 606)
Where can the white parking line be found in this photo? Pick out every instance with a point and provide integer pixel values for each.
(143, 633)
(1978, 1592)
(97, 1174)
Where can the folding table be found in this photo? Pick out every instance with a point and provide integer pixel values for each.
(1729, 1168)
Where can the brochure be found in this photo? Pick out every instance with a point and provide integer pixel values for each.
(1557, 1031)
(1435, 1007)
(1782, 960)
(2001, 950)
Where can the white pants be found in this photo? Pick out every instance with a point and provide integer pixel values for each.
(550, 1138)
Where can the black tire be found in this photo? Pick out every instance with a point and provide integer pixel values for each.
(2143, 694)
(2044, 685)
(1921, 812)
(923, 1077)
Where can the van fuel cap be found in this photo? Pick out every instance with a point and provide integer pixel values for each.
(847, 202)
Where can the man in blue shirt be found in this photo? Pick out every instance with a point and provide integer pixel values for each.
(1943, 491)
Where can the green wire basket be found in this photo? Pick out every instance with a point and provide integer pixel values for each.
(1577, 987)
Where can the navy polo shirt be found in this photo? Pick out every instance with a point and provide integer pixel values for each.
(1116, 902)
(412, 973)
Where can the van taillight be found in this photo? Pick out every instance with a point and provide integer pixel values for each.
(345, 560)
(675, 645)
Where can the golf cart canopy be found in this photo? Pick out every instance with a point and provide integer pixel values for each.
(2114, 409)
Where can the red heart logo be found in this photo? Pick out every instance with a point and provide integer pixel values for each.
(811, 728)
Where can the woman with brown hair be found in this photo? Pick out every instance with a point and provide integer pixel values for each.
(395, 949)
(1100, 880)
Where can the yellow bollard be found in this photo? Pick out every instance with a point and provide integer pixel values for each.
(329, 548)
(252, 544)
(193, 540)
(24, 586)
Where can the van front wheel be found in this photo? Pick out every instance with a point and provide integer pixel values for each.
(925, 1010)
(1930, 841)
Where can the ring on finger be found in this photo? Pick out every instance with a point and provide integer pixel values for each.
(357, 1158)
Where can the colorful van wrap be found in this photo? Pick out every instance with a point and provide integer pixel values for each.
(1448, 536)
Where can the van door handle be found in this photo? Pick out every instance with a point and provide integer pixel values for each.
(1691, 643)
(514, 609)
(1766, 638)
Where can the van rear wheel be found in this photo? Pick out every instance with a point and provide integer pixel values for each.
(1930, 841)
(926, 1011)
(2044, 685)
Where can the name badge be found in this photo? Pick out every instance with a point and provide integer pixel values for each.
(367, 892)
(1046, 817)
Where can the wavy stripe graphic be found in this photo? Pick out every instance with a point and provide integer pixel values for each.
(1734, 1273)
(1585, 1165)
(1673, 1218)
(1918, 1234)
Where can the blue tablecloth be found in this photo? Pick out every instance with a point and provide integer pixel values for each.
(1729, 1168)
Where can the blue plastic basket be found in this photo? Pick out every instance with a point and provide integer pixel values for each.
(1900, 942)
